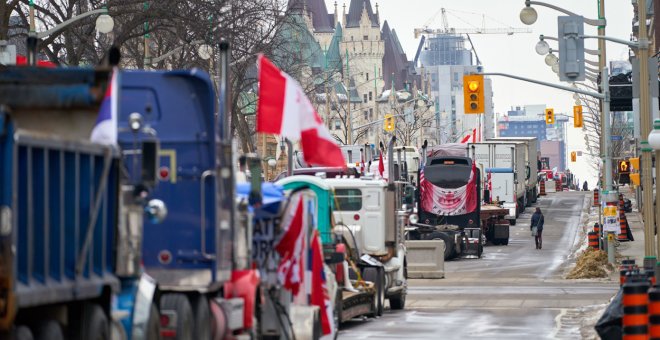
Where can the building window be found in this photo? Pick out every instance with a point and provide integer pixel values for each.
(371, 113)
(366, 115)
(371, 97)
(456, 76)
(365, 97)
(337, 124)
(367, 76)
(351, 38)
(365, 37)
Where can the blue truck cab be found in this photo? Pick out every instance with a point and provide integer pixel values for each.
(191, 254)
(66, 264)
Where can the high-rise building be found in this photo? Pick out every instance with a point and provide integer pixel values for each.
(445, 61)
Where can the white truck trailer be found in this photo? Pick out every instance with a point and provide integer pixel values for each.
(503, 170)
(531, 161)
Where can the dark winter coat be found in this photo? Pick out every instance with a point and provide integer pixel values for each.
(537, 220)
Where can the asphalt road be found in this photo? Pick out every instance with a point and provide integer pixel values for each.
(512, 292)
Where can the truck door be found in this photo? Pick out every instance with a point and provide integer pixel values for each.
(374, 219)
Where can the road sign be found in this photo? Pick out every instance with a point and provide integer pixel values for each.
(616, 138)
(610, 221)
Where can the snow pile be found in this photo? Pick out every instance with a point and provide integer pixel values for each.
(591, 264)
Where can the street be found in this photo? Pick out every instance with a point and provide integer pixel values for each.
(514, 291)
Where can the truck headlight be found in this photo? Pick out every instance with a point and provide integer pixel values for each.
(5, 221)
(156, 211)
(413, 218)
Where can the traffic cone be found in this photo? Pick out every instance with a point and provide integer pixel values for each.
(558, 186)
(626, 233)
(542, 190)
(654, 312)
(596, 198)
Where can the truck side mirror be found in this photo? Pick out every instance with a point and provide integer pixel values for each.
(149, 162)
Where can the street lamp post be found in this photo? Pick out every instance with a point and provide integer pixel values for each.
(528, 16)
(104, 24)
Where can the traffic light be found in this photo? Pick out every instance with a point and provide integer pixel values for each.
(577, 116)
(624, 167)
(573, 156)
(549, 116)
(473, 94)
(388, 124)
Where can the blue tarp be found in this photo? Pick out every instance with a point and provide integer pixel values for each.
(272, 195)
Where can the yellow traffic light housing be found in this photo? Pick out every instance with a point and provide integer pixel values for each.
(634, 163)
(549, 116)
(388, 124)
(473, 94)
(577, 116)
(573, 156)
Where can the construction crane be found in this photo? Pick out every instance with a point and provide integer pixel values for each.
(473, 30)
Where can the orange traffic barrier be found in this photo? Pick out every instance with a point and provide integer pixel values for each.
(542, 189)
(623, 224)
(596, 198)
(635, 310)
(558, 185)
(593, 240)
(654, 313)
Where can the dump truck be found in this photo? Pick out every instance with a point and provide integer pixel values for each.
(70, 220)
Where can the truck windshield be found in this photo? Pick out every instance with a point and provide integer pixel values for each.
(348, 199)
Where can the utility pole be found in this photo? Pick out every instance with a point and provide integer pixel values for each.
(645, 129)
(602, 63)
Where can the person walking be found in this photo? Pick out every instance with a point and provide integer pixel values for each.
(537, 227)
(585, 186)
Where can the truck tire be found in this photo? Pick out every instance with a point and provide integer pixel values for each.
(512, 221)
(336, 313)
(22, 333)
(153, 324)
(398, 301)
(94, 323)
(49, 330)
(184, 317)
(374, 274)
(449, 243)
(505, 241)
(202, 313)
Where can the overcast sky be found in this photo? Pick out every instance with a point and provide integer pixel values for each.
(511, 53)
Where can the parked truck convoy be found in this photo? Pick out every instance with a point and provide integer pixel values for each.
(70, 219)
(362, 221)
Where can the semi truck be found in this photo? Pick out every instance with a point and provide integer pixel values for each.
(70, 220)
(202, 257)
(531, 167)
(449, 204)
(503, 164)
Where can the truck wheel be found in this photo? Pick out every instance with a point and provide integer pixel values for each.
(505, 241)
(153, 324)
(399, 301)
(202, 314)
(22, 333)
(49, 330)
(94, 323)
(449, 243)
(184, 318)
(480, 250)
(336, 313)
(374, 275)
(512, 221)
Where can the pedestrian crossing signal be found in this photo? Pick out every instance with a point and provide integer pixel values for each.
(577, 116)
(549, 116)
(624, 167)
(473, 94)
(573, 156)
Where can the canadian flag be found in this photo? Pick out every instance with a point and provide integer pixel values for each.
(283, 109)
(291, 248)
(319, 295)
